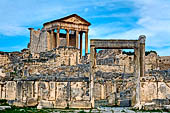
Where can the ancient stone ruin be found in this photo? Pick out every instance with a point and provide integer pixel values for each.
(53, 73)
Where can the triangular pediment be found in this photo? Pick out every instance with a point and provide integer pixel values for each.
(75, 19)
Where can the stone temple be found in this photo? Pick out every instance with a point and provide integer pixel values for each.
(53, 73)
(50, 37)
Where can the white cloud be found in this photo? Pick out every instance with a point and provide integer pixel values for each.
(12, 30)
(153, 21)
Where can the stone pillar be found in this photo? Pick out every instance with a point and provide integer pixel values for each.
(77, 39)
(142, 55)
(102, 91)
(67, 37)
(48, 41)
(52, 39)
(86, 42)
(31, 37)
(137, 74)
(92, 65)
(58, 37)
(81, 36)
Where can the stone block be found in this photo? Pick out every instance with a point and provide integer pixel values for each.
(60, 104)
(32, 102)
(19, 103)
(125, 103)
(52, 93)
(45, 104)
(11, 90)
(80, 104)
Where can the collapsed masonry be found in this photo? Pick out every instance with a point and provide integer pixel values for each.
(52, 74)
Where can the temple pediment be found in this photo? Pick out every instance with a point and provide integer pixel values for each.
(74, 19)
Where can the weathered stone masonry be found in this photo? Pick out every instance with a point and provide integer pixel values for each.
(52, 73)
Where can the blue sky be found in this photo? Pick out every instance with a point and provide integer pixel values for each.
(110, 19)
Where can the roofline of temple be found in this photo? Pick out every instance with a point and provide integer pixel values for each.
(60, 20)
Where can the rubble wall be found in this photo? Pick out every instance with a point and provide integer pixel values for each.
(47, 94)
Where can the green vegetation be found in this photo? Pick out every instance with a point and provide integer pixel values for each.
(132, 53)
(3, 102)
(154, 110)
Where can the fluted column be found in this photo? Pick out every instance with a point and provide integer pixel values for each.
(58, 37)
(77, 39)
(86, 42)
(81, 35)
(67, 37)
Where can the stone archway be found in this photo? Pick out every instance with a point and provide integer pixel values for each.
(139, 57)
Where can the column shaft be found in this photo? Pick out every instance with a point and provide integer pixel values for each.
(52, 39)
(58, 38)
(31, 39)
(86, 43)
(67, 38)
(77, 39)
(81, 35)
(137, 73)
(48, 41)
(142, 55)
(92, 63)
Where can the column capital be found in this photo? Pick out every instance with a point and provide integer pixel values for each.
(142, 38)
(31, 29)
(67, 30)
(58, 30)
(81, 32)
(51, 30)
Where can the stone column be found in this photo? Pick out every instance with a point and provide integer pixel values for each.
(86, 42)
(77, 39)
(92, 65)
(52, 39)
(58, 37)
(102, 91)
(137, 74)
(48, 41)
(67, 37)
(31, 37)
(142, 55)
(81, 36)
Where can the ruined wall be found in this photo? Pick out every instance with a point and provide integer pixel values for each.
(114, 60)
(24, 64)
(154, 93)
(151, 62)
(164, 62)
(53, 94)
(4, 59)
(114, 89)
(38, 41)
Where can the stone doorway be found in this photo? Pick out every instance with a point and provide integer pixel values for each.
(139, 54)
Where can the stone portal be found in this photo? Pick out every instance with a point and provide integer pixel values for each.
(139, 59)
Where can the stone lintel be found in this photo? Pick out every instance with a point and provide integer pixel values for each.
(114, 44)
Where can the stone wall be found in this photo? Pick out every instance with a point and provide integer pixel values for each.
(154, 92)
(38, 42)
(60, 93)
(4, 59)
